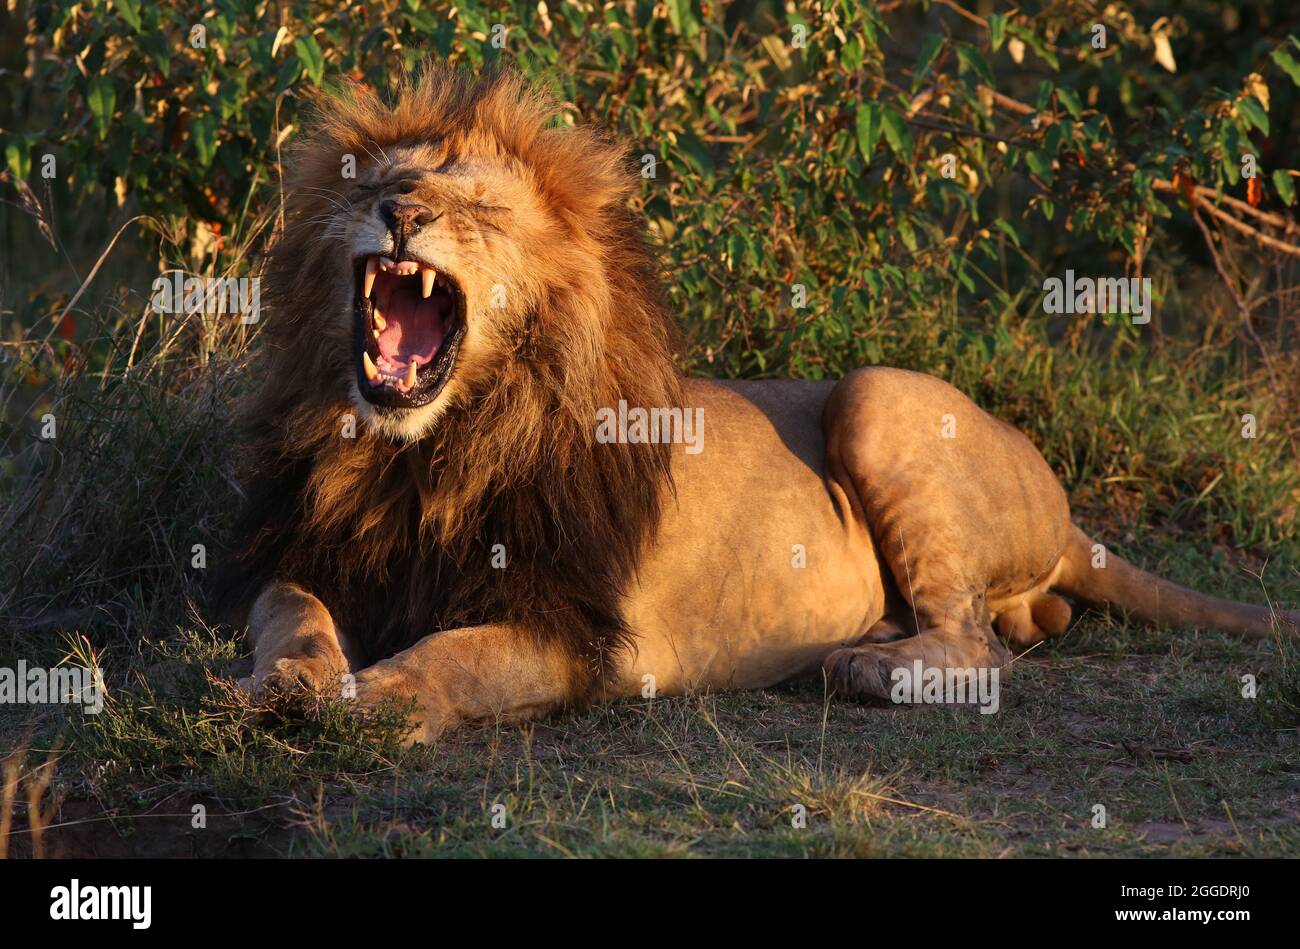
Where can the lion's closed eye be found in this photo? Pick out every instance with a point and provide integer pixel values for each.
(360, 191)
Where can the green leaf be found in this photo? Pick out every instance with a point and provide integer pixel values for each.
(1045, 89)
(130, 10)
(101, 99)
(868, 121)
(972, 59)
(288, 74)
(897, 134)
(1230, 149)
(471, 16)
(929, 52)
(18, 158)
(1055, 135)
(682, 17)
(313, 61)
(872, 26)
(1254, 113)
(1288, 64)
(1285, 186)
(873, 282)
(155, 44)
(997, 30)
(1034, 42)
(1040, 163)
(1006, 228)
(695, 152)
(907, 233)
(735, 250)
(203, 133)
(851, 54)
(1070, 100)
(965, 279)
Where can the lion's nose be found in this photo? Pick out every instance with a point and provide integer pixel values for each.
(404, 217)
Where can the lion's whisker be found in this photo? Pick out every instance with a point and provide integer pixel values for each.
(340, 202)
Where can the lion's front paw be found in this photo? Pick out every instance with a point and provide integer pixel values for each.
(308, 675)
(387, 684)
(860, 673)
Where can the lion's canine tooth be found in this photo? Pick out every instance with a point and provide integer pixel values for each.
(372, 264)
(410, 374)
(371, 372)
(428, 275)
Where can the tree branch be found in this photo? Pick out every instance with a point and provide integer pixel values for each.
(1200, 198)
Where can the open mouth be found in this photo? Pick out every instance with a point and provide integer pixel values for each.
(409, 320)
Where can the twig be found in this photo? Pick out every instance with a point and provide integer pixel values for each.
(1198, 201)
(964, 13)
(1008, 103)
(11, 770)
(38, 780)
(1236, 296)
(99, 263)
(135, 817)
(925, 123)
(1284, 224)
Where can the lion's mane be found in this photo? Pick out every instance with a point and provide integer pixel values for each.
(397, 538)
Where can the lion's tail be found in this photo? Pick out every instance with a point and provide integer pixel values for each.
(1156, 600)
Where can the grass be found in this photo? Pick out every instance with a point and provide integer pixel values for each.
(1152, 726)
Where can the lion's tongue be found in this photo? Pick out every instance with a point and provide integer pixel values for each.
(413, 330)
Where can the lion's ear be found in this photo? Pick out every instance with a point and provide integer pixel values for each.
(586, 174)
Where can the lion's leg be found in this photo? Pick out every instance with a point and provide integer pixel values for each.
(295, 642)
(927, 557)
(1037, 619)
(886, 630)
(956, 636)
(471, 674)
(962, 508)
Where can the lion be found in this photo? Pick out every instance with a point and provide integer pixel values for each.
(454, 500)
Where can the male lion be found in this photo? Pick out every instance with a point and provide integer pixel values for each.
(430, 506)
